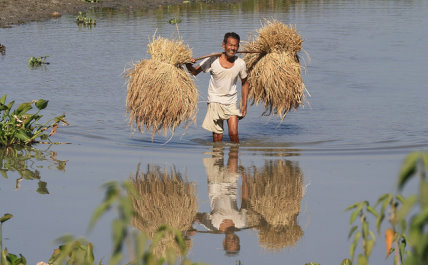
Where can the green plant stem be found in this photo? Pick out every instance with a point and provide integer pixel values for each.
(397, 254)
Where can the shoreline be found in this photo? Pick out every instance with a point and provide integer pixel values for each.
(13, 13)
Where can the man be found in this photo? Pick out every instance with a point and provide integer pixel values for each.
(222, 89)
(225, 216)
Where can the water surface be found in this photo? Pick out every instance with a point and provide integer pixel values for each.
(367, 110)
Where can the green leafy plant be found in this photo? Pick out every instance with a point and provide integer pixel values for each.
(407, 233)
(2, 49)
(37, 61)
(18, 127)
(73, 252)
(6, 257)
(174, 20)
(79, 251)
(82, 19)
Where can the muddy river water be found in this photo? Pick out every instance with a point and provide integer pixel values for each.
(367, 110)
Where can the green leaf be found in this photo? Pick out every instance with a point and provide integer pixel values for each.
(89, 258)
(352, 249)
(354, 216)
(119, 233)
(423, 191)
(42, 189)
(352, 206)
(406, 207)
(362, 260)
(115, 259)
(111, 195)
(6, 217)
(22, 260)
(370, 245)
(408, 168)
(382, 198)
(421, 218)
(352, 230)
(425, 160)
(372, 211)
(365, 230)
(41, 104)
(23, 108)
(3, 99)
(3, 107)
(346, 262)
(23, 137)
(354, 244)
(3, 259)
(9, 106)
(180, 242)
(12, 258)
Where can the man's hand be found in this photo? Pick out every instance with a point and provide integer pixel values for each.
(243, 111)
(191, 69)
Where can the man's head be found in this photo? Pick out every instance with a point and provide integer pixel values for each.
(231, 43)
(231, 244)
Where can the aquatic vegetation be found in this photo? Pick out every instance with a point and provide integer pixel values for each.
(174, 20)
(26, 162)
(82, 19)
(37, 61)
(406, 235)
(6, 257)
(2, 49)
(18, 127)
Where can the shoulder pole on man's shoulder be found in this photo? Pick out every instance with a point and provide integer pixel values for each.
(220, 53)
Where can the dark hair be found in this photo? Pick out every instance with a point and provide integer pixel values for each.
(232, 35)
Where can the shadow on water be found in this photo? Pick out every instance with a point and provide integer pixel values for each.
(26, 163)
(264, 199)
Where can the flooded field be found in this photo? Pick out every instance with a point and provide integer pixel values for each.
(366, 112)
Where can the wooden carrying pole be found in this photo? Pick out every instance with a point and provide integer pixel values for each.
(220, 53)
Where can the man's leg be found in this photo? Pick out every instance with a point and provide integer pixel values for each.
(217, 137)
(232, 123)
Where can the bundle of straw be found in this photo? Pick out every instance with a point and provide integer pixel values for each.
(161, 94)
(163, 198)
(274, 73)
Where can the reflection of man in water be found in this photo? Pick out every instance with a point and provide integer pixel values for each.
(225, 216)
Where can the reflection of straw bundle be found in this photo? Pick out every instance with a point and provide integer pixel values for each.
(275, 192)
(163, 199)
(167, 243)
(274, 74)
(278, 237)
(161, 94)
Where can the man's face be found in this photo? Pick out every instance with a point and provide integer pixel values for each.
(231, 46)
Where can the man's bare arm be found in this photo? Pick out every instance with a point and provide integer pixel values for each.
(244, 91)
(194, 71)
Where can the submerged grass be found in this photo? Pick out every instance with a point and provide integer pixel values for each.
(161, 94)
